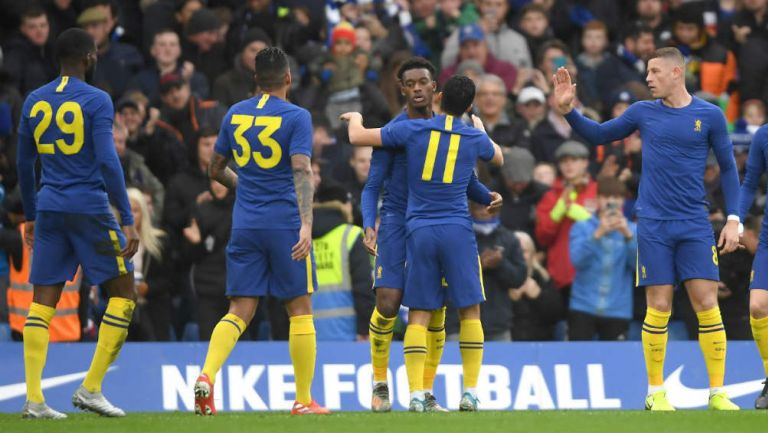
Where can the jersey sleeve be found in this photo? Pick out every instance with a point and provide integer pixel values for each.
(301, 136)
(224, 142)
(755, 170)
(106, 156)
(477, 192)
(26, 155)
(381, 164)
(721, 144)
(614, 129)
(395, 134)
(486, 150)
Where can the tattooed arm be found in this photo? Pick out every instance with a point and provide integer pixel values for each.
(302, 180)
(219, 171)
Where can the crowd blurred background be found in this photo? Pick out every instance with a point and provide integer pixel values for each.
(559, 259)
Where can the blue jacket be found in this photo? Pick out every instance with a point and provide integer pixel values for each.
(604, 270)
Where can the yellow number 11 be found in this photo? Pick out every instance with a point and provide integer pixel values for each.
(450, 161)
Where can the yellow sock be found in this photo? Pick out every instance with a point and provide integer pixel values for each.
(112, 335)
(654, 337)
(36, 348)
(435, 346)
(303, 347)
(380, 335)
(223, 339)
(471, 346)
(713, 345)
(760, 332)
(415, 353)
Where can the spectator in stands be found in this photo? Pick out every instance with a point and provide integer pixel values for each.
(491, 107)
(750, 43)
(651, 13)
(28, 56)
(534, 25)
(117, 62)
(594, 44)
(571, 199)
(433, 25)
(531, 107)
(136, 172)
(237, 84)
(545, 173)
(341, 74)
(474, 46)
(503, 43)
(360, 162)
(603, 250)
(202, 46)
(184, 114)
(520, 191)
(627, 63)
(166, 55)
(62, 15)
(536, 304)
(550, 133)
(343, 300)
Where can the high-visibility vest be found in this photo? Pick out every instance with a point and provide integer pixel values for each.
(65, 325)
(332, 304)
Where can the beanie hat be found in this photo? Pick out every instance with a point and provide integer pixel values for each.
(343, 30)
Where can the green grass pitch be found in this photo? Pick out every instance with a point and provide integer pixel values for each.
(363, 422)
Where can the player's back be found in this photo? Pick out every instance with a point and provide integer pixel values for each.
(66, 120)
(261, 134)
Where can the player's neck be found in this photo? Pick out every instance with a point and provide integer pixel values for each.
(678, 99)
(72, 72)
(416, 113)
(277, 93)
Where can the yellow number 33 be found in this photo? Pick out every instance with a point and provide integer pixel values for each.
(74, 127)
(270, 124)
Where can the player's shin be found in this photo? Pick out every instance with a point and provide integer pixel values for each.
(471, 346)
(380, 336)
(112, 335)
(303, 347)
(713, 345)
(415, 354)
(36, 348)
(223, 340)
(654, 336)
(760, 333)
(435, 346)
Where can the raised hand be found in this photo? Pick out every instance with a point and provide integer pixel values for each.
(565, 90)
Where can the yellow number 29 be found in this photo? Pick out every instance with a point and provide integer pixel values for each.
(271, 124)
(75, 127)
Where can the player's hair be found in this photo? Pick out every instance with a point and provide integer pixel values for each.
(596, 25)
(33, 11)
(458, 94)
(416, 63)
(271, 65)
(669, 53)
(609, 186)
(149, 236)
(73, 45)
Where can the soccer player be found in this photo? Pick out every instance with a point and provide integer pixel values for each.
(269, 252)
(441, 154)
(388, 172)
(675, 238)
(758, 294)
(67, 126)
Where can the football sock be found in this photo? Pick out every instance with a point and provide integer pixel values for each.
(654, 335)
(36, 348)
(760, 332)
(435, 346)
(415, 353)
(713, 345)
(223, 339)
(380, 335)
(471, 347)
(112, 334)
(303, 347)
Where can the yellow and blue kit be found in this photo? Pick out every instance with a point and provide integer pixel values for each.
(756, 166)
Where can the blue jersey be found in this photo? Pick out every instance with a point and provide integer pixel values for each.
(67, 124)
(261, 134)
(756, 166)
(441, 156)
(676, 143)
(388, 173)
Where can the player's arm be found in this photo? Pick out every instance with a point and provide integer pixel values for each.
(381, 163)
(26, 155)
(360, 135)
(218, 169)
(755, 170)
(729, 181)
(301, 153)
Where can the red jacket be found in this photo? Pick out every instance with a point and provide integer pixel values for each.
(553, 236)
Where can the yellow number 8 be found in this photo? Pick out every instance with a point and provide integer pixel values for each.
(75, 127)
(714, 256)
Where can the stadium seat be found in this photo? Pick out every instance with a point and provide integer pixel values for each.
(191, 332)
(5, 332)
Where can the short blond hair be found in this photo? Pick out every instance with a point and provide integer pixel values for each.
(670, 53)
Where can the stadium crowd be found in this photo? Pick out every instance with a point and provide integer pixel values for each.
(558, 260)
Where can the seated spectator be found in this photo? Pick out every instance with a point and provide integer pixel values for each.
(237, 84)
(27, 55)
(473, 46)
(520, 191)
(603, 250)
(202, 45)
(652, 15)
(490, 104)
(166, 59)
(545, 173)
(534, 25)
(117, 62)
(627, 63)
(571, 199)
(503, 44)
(594, 43)
(343, 300)
(536, 305)
(136, 172)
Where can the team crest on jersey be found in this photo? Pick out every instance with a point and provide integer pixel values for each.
(697, 126)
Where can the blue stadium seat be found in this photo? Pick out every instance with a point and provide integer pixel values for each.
(191, 332)
(5, 332)
(677, 330)
(635, 331)
(561, 331)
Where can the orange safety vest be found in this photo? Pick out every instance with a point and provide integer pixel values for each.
(65, 325)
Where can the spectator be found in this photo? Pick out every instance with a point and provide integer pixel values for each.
(343, 301)
(571, 199)
(520, 191)
(503, 43)
(627, 63)
(289, 28)
(117, 62)
(545, 173)
(166, 56)
(237, 84)
(750, 43)
(490, 103)
(620, 158)
(172, 15)
(184, 114)
(531, 107)
(603, 250)
(137, 174)
(474, 46)
(534, 25)
(536, 305)
(550, 133)
(202, 45)
(28, 57)
(651, 13)
(342, 75)
(594, 43)
(753, 111)
(360, 162)
(61, 14)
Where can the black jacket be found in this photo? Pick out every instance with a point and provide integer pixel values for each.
(234, 85)
(186, 123)
(518, 213)
(28, 65)
(180, 197)
(209, 274)
(535, 319)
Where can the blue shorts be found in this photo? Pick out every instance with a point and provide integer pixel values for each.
(758, 278)
(673, 251)
(259, 263)
(390, 259)
(448, 250)
(65, 240)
